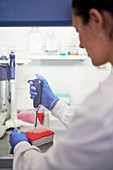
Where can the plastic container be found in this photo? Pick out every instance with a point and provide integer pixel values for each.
(35, 40)
(29, 116)
(73, 45)
(62, 45)
(51, 43)
(40, 136)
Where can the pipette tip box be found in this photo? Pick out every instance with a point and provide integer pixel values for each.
(39, 136)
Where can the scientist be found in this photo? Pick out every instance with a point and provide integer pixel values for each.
(88, 144)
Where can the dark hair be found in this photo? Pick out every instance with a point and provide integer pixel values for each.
(82, 7)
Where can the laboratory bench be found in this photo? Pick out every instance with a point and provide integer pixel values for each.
(6, 157)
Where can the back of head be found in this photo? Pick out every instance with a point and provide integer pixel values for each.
(82, 7)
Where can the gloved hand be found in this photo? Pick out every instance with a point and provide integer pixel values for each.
(16, 137)
(48, 98)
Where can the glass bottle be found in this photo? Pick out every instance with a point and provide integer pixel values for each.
(51, 43)
(35, 40)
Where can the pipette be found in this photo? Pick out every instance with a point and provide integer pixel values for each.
(41, 135)
(37, 101)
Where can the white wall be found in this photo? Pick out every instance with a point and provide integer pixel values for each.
(78, 78)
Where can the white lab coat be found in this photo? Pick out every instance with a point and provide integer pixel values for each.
(88, 144)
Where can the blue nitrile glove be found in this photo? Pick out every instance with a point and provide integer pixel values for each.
(48, 98)
(16, 137)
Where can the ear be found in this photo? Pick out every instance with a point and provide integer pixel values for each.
(96, 18)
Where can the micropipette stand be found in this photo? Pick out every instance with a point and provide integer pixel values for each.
(3, 88)
(13, 122)
(3, 93)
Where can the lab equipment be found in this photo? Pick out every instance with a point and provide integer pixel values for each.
(12, 85)
(3, 83)
(3, 93)
(51, 43)
(13, 122)
(40, 136)
(12, 105)
(38, 98)
(37, 85)
(35, 41)
(73, 45)
(62, 45)
(28, 115)
(49, 99)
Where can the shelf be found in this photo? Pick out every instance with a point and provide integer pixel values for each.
(58, 57)
(18, 62)
(45, 57)
(21, 62)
